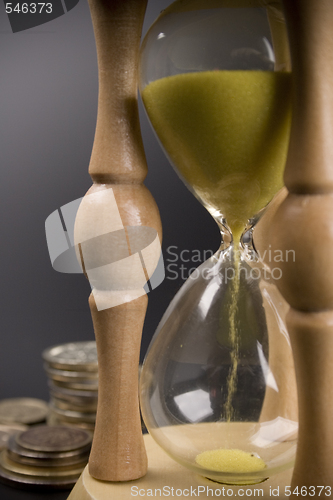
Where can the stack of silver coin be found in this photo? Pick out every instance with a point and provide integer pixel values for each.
(16, 414)
(45, 457)
(73, 381)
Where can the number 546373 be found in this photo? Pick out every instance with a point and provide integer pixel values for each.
(310, 491)
(31, 8)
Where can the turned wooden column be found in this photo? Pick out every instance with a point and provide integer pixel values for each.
(304, 223)
(281, 359)
(118, 219)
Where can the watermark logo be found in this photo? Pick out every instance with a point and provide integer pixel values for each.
(183, 264)
(25, 14)
(121, 262)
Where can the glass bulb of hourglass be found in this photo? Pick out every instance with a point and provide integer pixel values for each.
(215, 83)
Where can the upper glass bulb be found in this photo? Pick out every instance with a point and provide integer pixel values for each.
(215, 83)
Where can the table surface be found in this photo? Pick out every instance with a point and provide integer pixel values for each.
(10, 493)
(163, 471)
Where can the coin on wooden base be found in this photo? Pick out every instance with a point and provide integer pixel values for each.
(23, 410)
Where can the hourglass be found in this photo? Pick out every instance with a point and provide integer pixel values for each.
(215, 82)
(265, 426)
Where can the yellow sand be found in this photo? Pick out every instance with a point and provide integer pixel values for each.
(225, 460)
(229, 414)
(227, 133)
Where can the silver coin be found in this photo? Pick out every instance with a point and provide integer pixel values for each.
(72, 356)
(36, 483)
(56, 420)
(33, 462)
(68, 375)
(82, 460)
(65, 405)
(81, 385)
(53, 439)
(45, 459)
(70, 399)
(6, 431)
(28, 470)
(73, 394)
(74, 416)
(4, 436)
(23, 410)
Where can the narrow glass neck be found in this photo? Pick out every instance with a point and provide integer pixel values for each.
(242, 244)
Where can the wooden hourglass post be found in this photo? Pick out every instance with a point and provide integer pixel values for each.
(304, 223)
(281, 359)
(117, 199)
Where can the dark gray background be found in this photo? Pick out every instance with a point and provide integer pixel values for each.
(48, 104)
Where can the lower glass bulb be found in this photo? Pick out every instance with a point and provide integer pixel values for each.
(218, 390)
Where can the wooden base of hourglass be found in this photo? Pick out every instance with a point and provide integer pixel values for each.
(164, 472)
